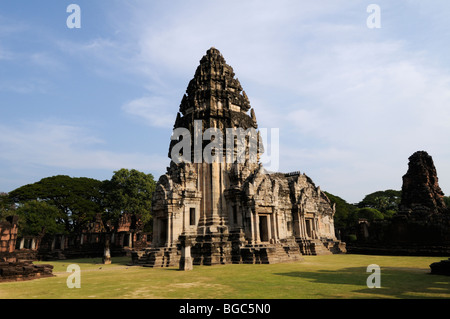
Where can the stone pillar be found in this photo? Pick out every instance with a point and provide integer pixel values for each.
(169, 230)
(156, 234)
(186, 259)
(33, 244)
(258, 238)
(22, 241)
(275, 230)
(62, 242)
(107, 251)
(303, 224)
(130, 240)
(269, 227)
(252, 226)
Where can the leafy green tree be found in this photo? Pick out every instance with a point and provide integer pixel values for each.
(345, 215)
(37, 218)
(129, 191)
(369, 213)
(77, 199)
(7, 207)
(383, 201)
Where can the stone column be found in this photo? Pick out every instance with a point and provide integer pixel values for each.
(186, 259)
(275, 224)
(252, 226)
(269, 228)
(130, 240)
(258, 238)
(107, 251)
(303, 224)
(156, 234)
(22, 241)
(169, 230)
(215, 192)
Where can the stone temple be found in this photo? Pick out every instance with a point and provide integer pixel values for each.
(232, 211)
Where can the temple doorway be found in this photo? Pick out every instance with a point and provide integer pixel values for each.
(263, 228)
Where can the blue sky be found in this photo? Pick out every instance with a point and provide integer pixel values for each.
(351, 103)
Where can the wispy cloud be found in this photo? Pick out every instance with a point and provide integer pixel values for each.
(154, 111)
(52, 144)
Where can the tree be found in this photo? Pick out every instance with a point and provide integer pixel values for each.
(383, 201)
(128, 191)
(7, 207)
(369, 213)
(77, 199)
(37, 218)
(345, 215)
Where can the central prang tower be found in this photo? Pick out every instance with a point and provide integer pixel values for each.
(230, 210)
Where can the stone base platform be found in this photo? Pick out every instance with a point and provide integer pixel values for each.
(23, 270)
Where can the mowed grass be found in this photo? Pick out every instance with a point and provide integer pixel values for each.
(333, 276)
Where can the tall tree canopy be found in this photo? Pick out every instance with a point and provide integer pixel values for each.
(345, 212)
(7, 207)
(129, 191)
(77, 199)
(386, 201)
(37, 218)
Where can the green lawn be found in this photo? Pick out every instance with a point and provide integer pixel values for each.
(333, 276)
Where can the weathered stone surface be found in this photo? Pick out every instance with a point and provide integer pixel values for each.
(8, 234)
(231, 211)
(23, 270)
(421, 193)
(11, 267)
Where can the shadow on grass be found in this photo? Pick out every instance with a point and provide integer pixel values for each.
(395, 282)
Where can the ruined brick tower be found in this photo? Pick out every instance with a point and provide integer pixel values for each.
(421, 193)
(231, 211)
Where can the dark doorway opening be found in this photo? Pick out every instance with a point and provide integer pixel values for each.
(263, 228)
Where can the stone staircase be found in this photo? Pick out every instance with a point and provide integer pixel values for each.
(318, 247)
(335, 246)
(270, 253)
(156, 257)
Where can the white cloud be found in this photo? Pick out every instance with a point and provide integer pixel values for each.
(155, 111)
(66, 146)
